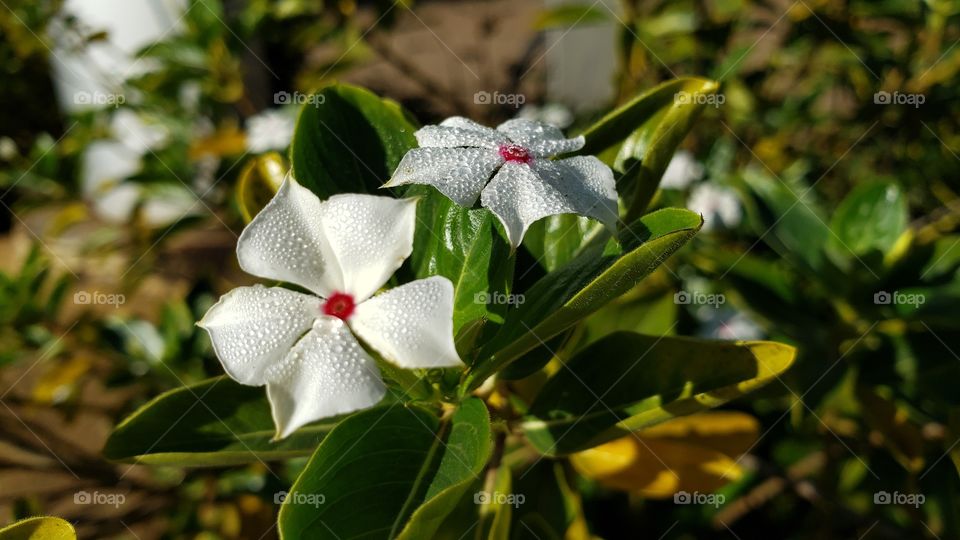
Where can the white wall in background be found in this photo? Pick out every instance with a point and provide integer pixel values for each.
(98, 68)
(582, 60)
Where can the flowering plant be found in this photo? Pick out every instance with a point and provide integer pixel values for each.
(425, 345)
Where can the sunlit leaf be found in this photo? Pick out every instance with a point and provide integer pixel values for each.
(39, 528)
(259, 181)
(627, 382)
(584, 285)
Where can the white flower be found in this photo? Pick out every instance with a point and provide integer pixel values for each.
(728, 325)
(554, 114)
(719, 206)
(270, 130)
(104, 166)
(302, 346)
(682, 171)
(459, 157)
(132, 130)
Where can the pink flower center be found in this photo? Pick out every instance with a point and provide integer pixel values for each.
(515, 153)
(339, 305)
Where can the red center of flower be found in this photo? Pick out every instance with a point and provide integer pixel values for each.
(339, 305)
(515, 153)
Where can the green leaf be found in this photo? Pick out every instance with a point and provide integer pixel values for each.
(39, 528)
(627, 381)
(618, 124)
(943, 258)
(463, 245)
(797, 230)
(384, 473)
(770, 287)
(557, 239)
(212, 423)
(584, 285)
(645, 154)
(551, 507)
(350, 141)
(871, 217)
(644, 314)
(465, 456)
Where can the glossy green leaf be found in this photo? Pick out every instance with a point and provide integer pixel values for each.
(555, 240)
(871, 217)
(789, 219)
(642, 313)
(39, 528)
(770, 287)
(584, 285)
(384, 473)
(645, 154)
(349, 141)
(627, 381)
(621, 122)
(463, 245)
(943, 258)
(212, 423)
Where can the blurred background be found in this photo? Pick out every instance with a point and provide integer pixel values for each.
(826, 169)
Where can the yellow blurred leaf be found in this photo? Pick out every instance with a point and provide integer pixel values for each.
(60, 379)
(903, 438)
(691, 453)
(259, 181)
(39, 528)
(228, 140)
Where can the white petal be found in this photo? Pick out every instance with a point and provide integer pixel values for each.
(370, 237)
(254, 327)
(541, 139)
(325, 374)
(587, 183)
(682, 171)
(466, 123)
(459, 173)
(459, 132)
(285, 242)
(411, 325)
(130, 128)
(520, 195)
